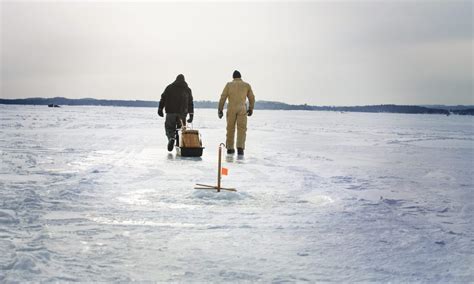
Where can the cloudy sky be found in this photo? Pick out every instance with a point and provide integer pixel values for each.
(315, 52)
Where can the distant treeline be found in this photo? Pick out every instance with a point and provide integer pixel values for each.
(469, 111)
(390, 108)
(78, 102)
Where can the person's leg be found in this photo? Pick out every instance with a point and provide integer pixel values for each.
(231, 119)
(241, 130)
(170, 125)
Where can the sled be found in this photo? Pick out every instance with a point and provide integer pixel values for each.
(189, 143)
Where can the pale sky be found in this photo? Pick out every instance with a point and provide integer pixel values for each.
(315, 52)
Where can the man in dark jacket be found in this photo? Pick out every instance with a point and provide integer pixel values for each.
(177, 100)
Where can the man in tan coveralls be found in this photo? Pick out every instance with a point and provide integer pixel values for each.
(237, 92)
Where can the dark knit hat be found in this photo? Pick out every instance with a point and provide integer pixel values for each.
(236, 74)
(180, 77)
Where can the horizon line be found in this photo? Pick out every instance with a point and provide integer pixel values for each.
(267, 101)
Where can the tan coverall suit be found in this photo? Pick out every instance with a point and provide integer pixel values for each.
(237, 92)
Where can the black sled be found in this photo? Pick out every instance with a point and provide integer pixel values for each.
(189, 143)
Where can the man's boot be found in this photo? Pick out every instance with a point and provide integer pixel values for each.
(230, 151)
(240, 151)
(170, 144)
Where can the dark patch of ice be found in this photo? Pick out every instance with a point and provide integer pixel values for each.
(392, 201)
(245, 227)
(26, 263)
(342, 179)
(7, 217)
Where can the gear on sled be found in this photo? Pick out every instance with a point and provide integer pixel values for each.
(189, 143)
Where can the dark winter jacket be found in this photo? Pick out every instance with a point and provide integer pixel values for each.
(177, 98)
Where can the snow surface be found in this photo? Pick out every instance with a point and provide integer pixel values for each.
(92, 194)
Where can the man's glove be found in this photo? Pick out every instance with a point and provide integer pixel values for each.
(250, 112)
(191, 117)
(220, 114)
(160, 112)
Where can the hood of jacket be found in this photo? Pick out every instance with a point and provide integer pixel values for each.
(180, 83)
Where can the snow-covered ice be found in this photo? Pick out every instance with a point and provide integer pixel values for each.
(92, 194)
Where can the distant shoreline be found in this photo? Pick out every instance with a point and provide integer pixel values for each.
(266, 105)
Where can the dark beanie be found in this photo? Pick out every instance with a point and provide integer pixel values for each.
(236, 74)
(180, 77)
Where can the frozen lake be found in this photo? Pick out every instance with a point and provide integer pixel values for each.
(92, 194)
